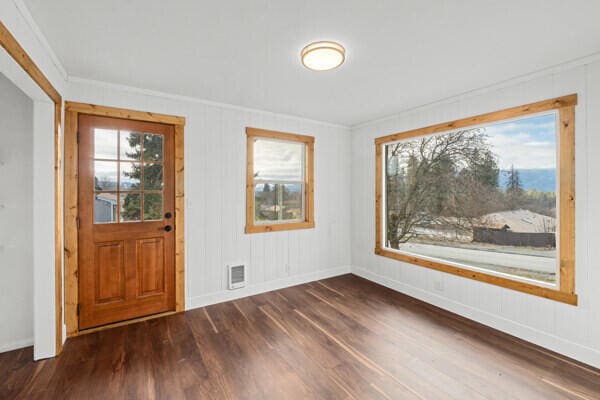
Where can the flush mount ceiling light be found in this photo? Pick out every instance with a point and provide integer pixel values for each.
(323, 56)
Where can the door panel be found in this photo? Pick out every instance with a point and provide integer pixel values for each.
(126, 189)
(151, 266)
(110, 272)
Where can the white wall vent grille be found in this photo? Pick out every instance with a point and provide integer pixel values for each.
(237, 276)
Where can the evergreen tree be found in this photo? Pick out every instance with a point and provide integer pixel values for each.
(153, 177)
(514, 190)
(486, 170)
(514, 181)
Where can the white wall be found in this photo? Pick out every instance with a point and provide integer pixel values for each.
(573, 331)
(16, 217)
(18, 21)
(43, 231)
(215, 173)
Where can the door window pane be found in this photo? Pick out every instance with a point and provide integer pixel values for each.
(130, 145)
(153, 176)
(130, 207)
(153, 206)
(105, 175)
(105, 208)
(130, 176)
(105, 144)
(153, 147)
(128, 173)
(278, 160)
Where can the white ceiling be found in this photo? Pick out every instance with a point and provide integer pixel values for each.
(400, 54)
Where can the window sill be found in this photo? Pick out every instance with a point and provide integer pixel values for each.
(288, 226)
(529, 288)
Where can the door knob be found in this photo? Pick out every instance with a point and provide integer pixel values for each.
(168, 215)
(168, 228)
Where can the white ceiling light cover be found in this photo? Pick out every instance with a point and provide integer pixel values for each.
(323, 56)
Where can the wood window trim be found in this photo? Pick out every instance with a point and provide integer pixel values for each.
(72, 111)
(18, 53)
(566, 177)
(309, 180)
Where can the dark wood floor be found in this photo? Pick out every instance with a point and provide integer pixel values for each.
(340, 338)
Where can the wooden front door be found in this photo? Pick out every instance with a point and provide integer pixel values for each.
(126, 219)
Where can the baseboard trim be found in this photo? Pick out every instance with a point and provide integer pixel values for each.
(228, 295)
(16, 344)
(559, 345)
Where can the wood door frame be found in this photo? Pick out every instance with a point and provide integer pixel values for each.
(18, 53)
(72, 112)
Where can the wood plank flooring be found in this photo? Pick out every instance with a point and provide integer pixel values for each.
(340, 338)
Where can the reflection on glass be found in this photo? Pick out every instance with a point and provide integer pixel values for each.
(105, 175)
(153, 206)
(153, 147)
(130, 145)
(130, 207)
(105, 144)
(278, 160)
(291, 200)
(130, 176)
(153, 177)
(105, 208)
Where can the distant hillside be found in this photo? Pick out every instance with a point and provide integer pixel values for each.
(538, 179)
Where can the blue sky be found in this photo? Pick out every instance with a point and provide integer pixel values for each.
(526, 143)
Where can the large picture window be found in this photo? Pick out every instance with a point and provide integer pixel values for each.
(279, 191)
(489, 198)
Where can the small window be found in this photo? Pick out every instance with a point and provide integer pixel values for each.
(279, 191)
(490, 198)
